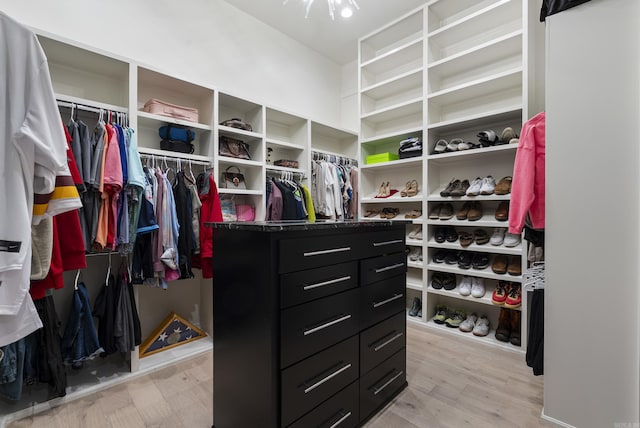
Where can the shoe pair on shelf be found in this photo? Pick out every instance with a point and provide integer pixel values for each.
(509, 326)
(507, 294)
(479, 325)
(415, 254)
(416, 232)
(389, 213)
(416, 308)
(471, 211)
(490, 138)
(482, 186)
(413, 214)
(410, 189)
(480, 236)
(455, 188)
(500, 236)
(464, 259)
(372, 212)
(454, 145)
(506, 264)
(502, 212)
(445, 233)
(440, 280)
(450, 317)
(472, 286)
(385, 190)
(441, 212)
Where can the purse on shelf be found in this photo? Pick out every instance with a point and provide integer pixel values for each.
(245, 212)
(233, 148)
(237, 123)
(233, 180)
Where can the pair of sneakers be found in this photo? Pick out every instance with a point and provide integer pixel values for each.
(472, 286)
(479, 325)
(482, 186)
(500, 236)
(416, 232)
(450, 317)
(507, 294)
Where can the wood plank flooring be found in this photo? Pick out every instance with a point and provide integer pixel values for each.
(452, 383)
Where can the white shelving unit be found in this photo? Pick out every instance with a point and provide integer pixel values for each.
(449, 69)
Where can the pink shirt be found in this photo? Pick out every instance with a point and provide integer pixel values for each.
(528, 188)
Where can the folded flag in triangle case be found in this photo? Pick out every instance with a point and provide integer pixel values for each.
(173, 331)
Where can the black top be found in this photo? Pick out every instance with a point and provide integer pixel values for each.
(279, 226)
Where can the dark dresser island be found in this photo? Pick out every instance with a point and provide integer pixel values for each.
(309, 322)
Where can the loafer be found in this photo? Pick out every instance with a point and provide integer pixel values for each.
(502, 212)
(439, 234)
(447, 190)
(514, 268)
(511, 240)
(460, 188)
(448, 281)
(450, 234)
(488, 185)
(434, 213)
(475, 211)
(504, 186)
(480, 261)
(464, 259)
(480, 236)
(466, 239)
(500, 263)
(497, 238)
(474, 187)
(463, 212)
(446, 213)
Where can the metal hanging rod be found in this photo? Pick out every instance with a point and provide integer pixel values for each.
(174, 158)
(332, 157)
(92, 109)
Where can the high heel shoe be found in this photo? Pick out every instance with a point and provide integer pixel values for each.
(381, 191)
(404, 191)
(413, 188)
(387, 189)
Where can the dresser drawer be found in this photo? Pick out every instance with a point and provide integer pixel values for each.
(312, 381)
(311, 284)
(309, 328)
(379, 268)
(382, 383)
(385, 242)
(382, 300)
(306, 253)
(340, 411)
(382, 341)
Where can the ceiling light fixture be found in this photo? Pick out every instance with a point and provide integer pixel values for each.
(346, 11)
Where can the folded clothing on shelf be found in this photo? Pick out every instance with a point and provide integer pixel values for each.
(410, 147)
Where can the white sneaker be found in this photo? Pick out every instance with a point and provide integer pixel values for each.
(477, 287)
(413, 234)
(498, 236)
(468, 324)
(488, 186)
(413, 254)
(482, 326)
(474, 187)
(511, 239)
(465, 286)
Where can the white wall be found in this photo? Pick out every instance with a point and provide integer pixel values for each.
(593, 163)
(207, 41)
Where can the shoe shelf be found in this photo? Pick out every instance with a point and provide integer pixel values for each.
(480, 198)
(414, 285)
(481, 273)
(474, 154)
(392, 165)
(487, 220)
(391, 38)
(489, 339)
(508, 113)
(414, 242)
(397, 84)
(416, 265)
(455, 293)
(472, 29)
(393, 112)
(485, 248)
(392, 199)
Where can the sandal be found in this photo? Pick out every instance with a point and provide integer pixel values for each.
(412, 188)
(405, 191)
(371, 213)
(440, 147)
(392, 213)
(413, 214)
(453, 144)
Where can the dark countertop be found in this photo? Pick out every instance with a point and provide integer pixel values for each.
(278, 226)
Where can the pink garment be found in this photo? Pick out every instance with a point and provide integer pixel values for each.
(528, 188)
(112, 184)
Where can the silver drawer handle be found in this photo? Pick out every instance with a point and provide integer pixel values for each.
(341, 420)
(380, 244)
(386, 342)
(390, 299)
(333, 250)
(323, 380)
(329, 324)
(386, 268)
(377, 391)
(322, 284)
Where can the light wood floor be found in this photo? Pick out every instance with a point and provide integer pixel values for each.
(452, 383)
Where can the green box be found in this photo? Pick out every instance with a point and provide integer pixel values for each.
(382, 157)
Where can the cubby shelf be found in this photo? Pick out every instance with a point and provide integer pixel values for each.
(482, 273)
(150, 119)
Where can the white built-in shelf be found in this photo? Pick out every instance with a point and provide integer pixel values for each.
(480, 198)
(418, 221)
(393, 137)
(489, 339)
(393, 165)
(237, 161)
(395, 198)
(455, 293)
(286, 144)
(485, 86)
(414, 285)
(238, 133)
(487, 220)
(414, 242)
(284, 169)
(416, 264)
(408, 48)
(411, 79)
(150, 119)
(444, 12)
(486, 248)
(91, 103)
(177, 155)
(482, 273)
(406, 108)
(240, 191)
(475, 154)
(508, 113)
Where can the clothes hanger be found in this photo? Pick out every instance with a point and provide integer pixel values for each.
(106, 281)
(75, 282)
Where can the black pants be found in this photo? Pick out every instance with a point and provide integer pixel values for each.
(535, 343)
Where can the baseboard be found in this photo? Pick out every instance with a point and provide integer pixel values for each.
(555, 421)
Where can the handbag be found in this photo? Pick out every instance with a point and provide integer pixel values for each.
(228, 208)
(237, 123)
(233, 180)
(233, 148)
(245, 212)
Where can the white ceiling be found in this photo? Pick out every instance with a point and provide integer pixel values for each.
(337, 40)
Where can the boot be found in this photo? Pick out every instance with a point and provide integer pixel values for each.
(515, 328)
(415, 307)
(503, 332)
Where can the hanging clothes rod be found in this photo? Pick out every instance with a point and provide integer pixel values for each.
(332, 157)
(172, 158)
(92, 109)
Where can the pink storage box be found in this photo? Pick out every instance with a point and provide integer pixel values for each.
(164, 108)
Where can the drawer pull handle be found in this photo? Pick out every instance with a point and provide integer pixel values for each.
(380, 244)
(386, 342)
(329, 324)
(377, 391)
(386, 268)
(322, 284)
(389, 300)
(321, 252)
(341, 420)
(327, 378)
